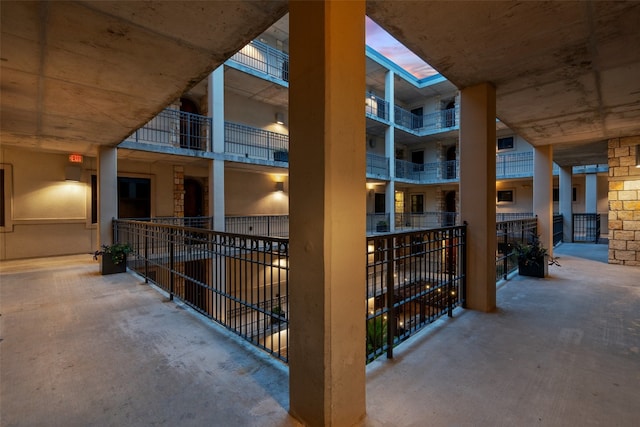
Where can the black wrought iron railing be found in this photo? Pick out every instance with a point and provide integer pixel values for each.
(508, 234)
(239, 281)
(586, 227)
(558, 228)
(412, 279)
(242, 281)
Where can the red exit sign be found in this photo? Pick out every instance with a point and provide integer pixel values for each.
(75, 158)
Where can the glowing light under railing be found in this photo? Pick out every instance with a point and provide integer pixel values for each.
(281, 263)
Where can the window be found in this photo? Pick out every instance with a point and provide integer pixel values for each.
(506, 143)
(380, 203)
(94, 199)
(506, 196)
(556, 194)
(417, 203)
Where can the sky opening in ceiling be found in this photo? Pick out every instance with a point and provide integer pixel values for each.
(381, 41)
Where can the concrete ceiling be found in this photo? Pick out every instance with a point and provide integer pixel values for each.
(75, 75)
(566, 73)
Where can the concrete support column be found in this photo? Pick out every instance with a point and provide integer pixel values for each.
(543, 194)
(591, 193)
(215, 99)
(565, 202)
(327, 212)
(478, 192)
(107, 193)
(389, 147)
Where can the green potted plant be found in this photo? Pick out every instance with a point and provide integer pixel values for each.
(382, 226)
(114, 257)
(532, 257)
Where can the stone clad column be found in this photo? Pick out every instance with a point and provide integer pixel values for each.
(327, 212)
(107, 193)
(478, 192)
(543, 194)
(215, 98)
(565, 202)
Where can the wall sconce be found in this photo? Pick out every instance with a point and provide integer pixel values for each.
(638, 156)
(279, 187)
(73, 173)
(280, 118)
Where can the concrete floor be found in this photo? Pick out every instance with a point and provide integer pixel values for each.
(80, 349)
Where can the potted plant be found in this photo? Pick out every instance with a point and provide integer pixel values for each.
(114, 257)
(532, 258)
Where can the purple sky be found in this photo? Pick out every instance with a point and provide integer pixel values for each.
(383, 42)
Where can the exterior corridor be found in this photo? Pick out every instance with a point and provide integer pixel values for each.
(78, 349)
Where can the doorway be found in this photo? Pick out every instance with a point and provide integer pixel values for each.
(189, 125)
(193, 198)
(450, 209)
(450, 164)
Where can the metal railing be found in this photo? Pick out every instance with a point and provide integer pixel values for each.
(263, 225)
(508, 234)
(558, 228)
(239, 281)
(424, 220)
(377, 165)
(427, 172)
(510, 216)
(586, 227)
(177, 129)
(255, 143)
(376, 107)
(378, 222)
(437, 120)
(514, 165)
(412, 279)
(264, 59)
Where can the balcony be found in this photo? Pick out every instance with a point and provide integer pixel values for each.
(376, 108)
(246, 142)
(427, 124)
(377, 166)
(262, 60)
(428, 173)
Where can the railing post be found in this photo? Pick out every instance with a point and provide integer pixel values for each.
(171, 262)
(146, 254)
(450, 264)
(505, 261)
(391, 312)
(463, 291)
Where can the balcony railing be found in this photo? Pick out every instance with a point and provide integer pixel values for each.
(412, 279)
(558, 228)
(264, 59)
(586, 227)
(177, 129)
(254, 143)
(239, 281)
(437, 120)
(377, 166)
(508, 234)
(376, 107)
(425, 220)
(262, 225)
(428, 173)
(242, 281)
(514, 165)
(377, 223)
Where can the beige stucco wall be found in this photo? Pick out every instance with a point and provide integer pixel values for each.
(253, 193)
(46, 215)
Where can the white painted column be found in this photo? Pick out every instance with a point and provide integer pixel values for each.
(389, 147)
(543, 194)
(107, 193)
(565, 202)
(327, 212)
(215, 98)
(591, 193)
(478, 192)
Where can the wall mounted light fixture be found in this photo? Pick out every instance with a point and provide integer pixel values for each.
(280, 118)
(73, 173)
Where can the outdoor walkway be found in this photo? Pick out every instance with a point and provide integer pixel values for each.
(80, 349)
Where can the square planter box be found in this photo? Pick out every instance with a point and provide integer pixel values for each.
(538, 269)
(108, 267)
